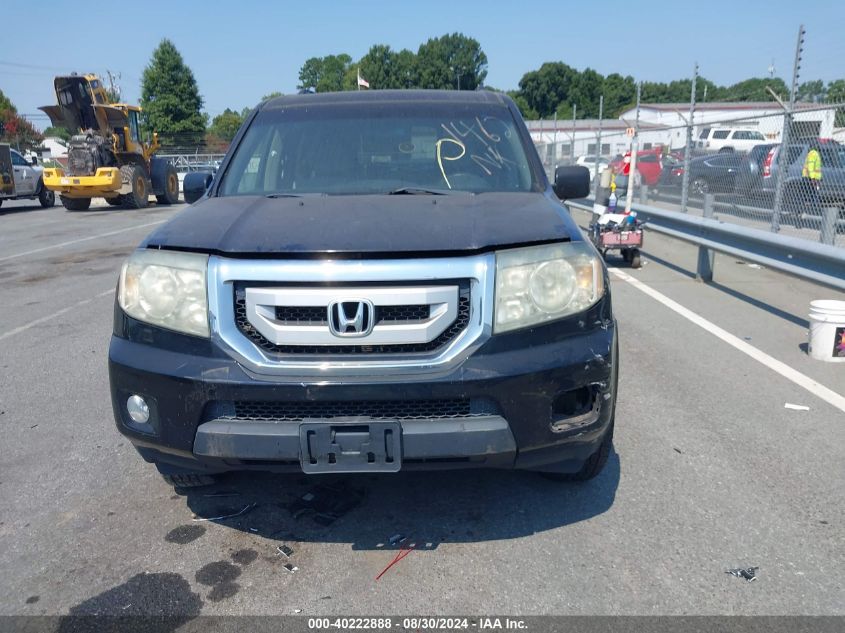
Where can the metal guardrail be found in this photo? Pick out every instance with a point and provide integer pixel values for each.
(193, 162)
(820, 263)
(829, 224)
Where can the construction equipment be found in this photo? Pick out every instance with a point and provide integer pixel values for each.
(106, 155)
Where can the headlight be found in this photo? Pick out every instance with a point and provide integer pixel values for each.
(539, 284)
(167, 289)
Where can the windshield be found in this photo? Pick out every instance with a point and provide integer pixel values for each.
(379, 148)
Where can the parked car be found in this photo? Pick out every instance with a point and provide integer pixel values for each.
(650, 164)
(707, 174)
(21, 179)
(832, 185)
(726, 139)
(337, 299)
(749, 180)
(589, 161)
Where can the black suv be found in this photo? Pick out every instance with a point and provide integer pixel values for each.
(373, 281)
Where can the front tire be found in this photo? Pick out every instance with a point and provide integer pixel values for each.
(46, 197)
(138, 197)
(115, 202)
(75, 204)
(593, 466)
(166, 180)
(700, 186)
(634, 258)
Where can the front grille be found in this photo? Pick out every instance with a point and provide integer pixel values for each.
(372, 409)
(306, 315)
(318, 315)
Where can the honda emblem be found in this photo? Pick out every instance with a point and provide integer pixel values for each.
(351, 317)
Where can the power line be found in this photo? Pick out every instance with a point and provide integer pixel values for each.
(33, 66)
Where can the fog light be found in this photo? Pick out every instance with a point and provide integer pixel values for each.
(138, 409)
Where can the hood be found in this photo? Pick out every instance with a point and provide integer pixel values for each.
(398, 225)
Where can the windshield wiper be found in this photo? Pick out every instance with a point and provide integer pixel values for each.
(283, 195)
(418, 191)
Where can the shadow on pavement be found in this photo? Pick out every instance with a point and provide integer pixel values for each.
(736, 294)
(429, 508)
(6, 209)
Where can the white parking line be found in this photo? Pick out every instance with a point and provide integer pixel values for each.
(815, 388)
(44, 319)
(81, 239)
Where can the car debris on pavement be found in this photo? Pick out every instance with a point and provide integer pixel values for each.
(749, 573)
(286, 551)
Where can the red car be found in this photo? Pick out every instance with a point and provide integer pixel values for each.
(649, 165)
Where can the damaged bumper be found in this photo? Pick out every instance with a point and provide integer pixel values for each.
(541, 399)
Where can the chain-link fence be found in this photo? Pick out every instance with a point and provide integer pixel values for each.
(731, 150)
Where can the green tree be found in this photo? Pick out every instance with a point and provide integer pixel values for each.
(450, 62)
(586, 91)
(272, 95)
(754, 89)
(811, 91)
(377, 66)
(528, 113)
(405, 69)
(619, 93)
(170, 98)
(384, 68)
(61, 132)
(225, 125)
(545, 88)
(6, 103)
(14, 129)
(350, 77)
(325, 74)
(836, 94)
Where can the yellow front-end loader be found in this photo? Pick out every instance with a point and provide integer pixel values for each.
(106, 156)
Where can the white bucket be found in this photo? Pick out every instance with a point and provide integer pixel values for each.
(827, 330)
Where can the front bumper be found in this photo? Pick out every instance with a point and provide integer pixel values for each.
(105, 182)
(528, 378)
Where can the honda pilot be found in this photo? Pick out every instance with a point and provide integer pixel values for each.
(372, 281)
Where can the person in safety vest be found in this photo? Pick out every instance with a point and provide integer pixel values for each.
(811, 177)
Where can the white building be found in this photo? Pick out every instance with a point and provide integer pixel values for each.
(556, 141)
(766, 117)
(56, 147)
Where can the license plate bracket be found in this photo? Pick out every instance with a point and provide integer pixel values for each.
(350, 447)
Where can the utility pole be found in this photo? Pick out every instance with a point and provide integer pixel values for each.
(598, 150)
(572, 148)
(688, 150)
(783, 167)
(554, 141)
(635, 147)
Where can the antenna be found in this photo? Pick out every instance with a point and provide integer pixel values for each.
(772, 68)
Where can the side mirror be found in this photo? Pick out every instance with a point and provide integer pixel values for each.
(571, 182)
(195, 185)
(34, 160)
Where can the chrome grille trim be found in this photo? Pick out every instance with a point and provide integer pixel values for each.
(262, 304)
(224, 273)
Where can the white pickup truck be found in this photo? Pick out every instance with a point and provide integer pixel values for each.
(20, 179)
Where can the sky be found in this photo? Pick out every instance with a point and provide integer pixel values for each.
(242, 50)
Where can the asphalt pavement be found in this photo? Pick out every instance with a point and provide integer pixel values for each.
(710, 471)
